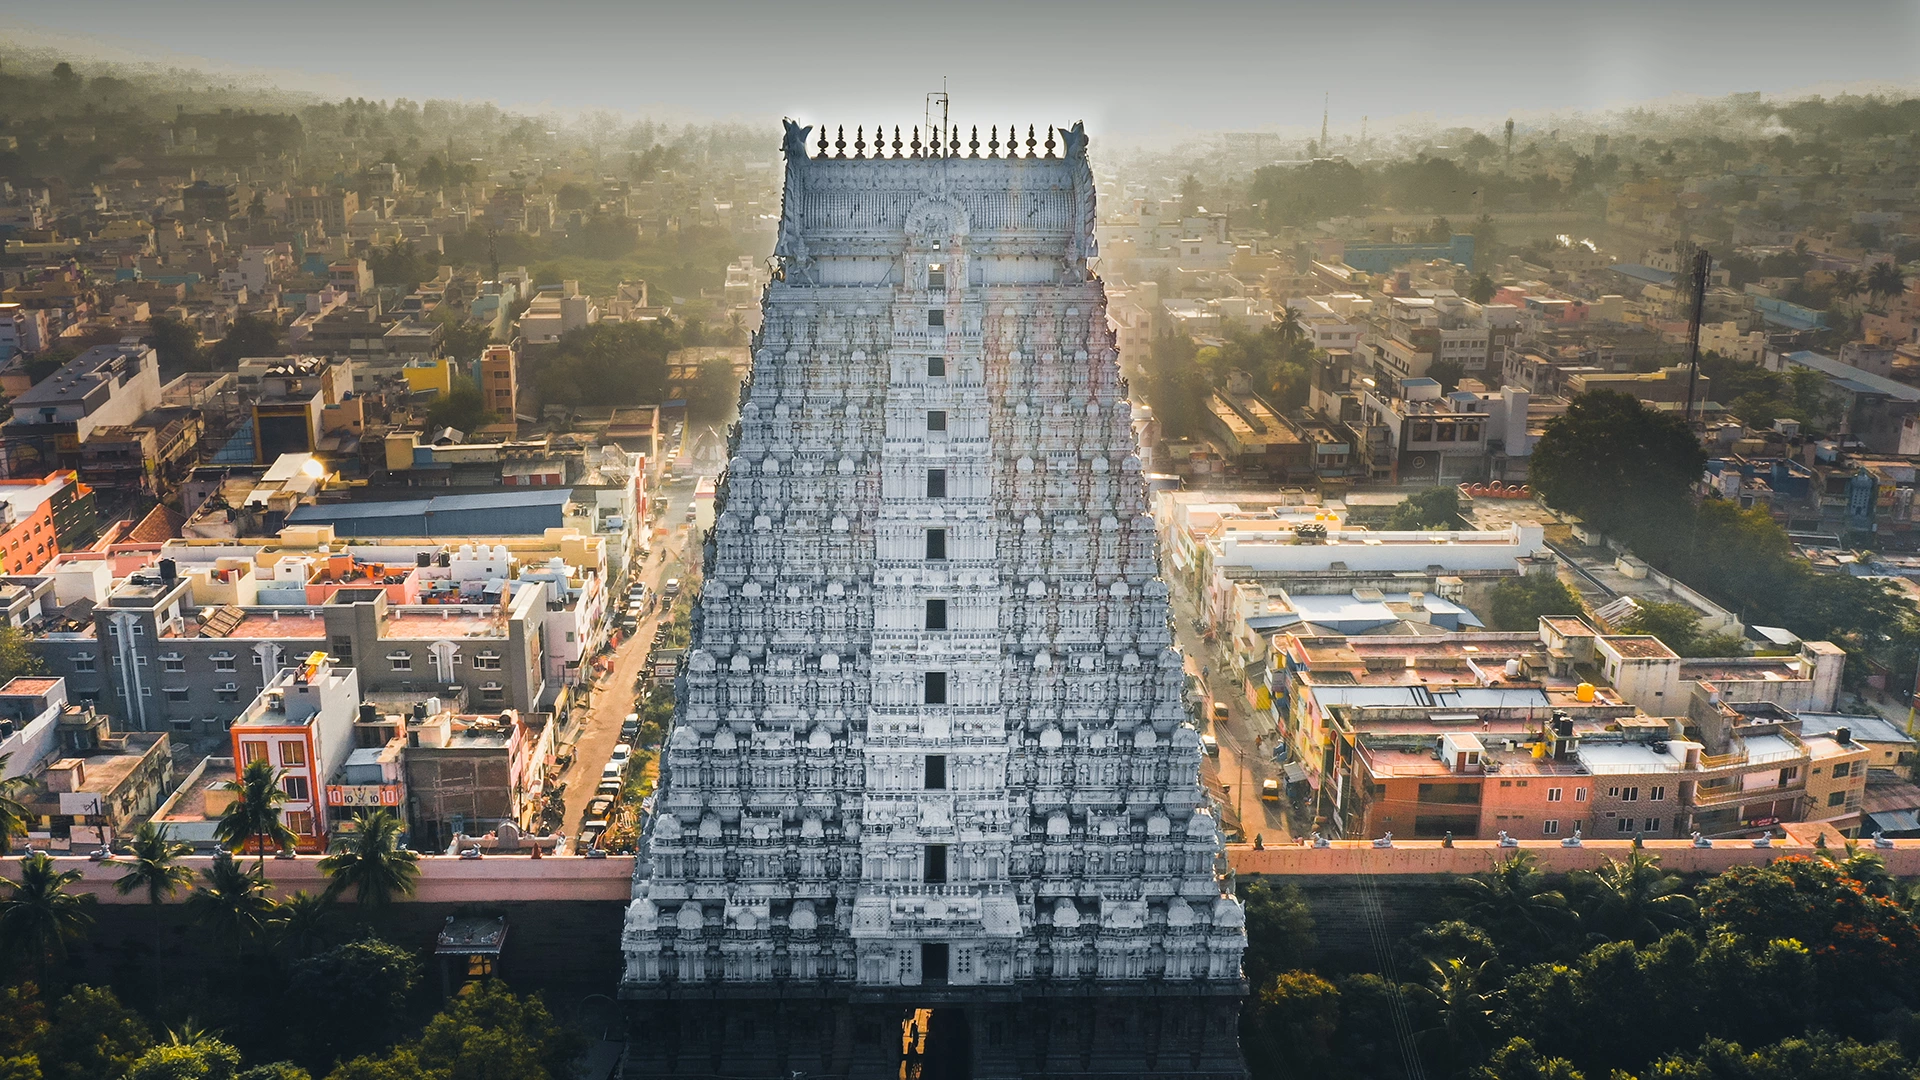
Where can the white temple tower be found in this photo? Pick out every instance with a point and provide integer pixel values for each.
(930, 763)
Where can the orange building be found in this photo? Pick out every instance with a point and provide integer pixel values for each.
(500, 379)
(29, 533)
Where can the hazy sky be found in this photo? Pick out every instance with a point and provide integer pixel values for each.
(1126, 66)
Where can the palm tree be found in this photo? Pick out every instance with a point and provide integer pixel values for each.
(1848, 284)
(372, 862)
(1886, 280)
(1514, 896)
(14, 814)
(1461, 1007)
(1867, 868)
(1636, 899)
(303, 923)
(232, 900)
(155, 865)
(255, 811)
(40, 915)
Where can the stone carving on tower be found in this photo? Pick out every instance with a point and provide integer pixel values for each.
(930, 749)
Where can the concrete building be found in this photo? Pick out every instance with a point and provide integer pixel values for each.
(499, 379)
(302, 724)
(105, 386)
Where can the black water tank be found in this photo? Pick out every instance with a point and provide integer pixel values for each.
(369, 714)
(1843, 736)
(425, 558)
(169, 571)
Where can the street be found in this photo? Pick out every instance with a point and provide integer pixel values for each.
(613, 694)
(1234, 776)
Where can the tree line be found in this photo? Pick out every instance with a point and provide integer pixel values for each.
(1806, 967)
(1630, 471)
(303, 955)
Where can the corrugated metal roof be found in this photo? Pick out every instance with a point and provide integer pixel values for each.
(1847, 373)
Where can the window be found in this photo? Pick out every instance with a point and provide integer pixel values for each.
(300, 822)
(935, 689)
(401, 661)
(936, 865)
(1653, 824)
(146, 691)
(342, 649)
(296, 788)
(1624, 824)
(253, 750)
(1550, 827)
(936, 552)
(936, 419)
(486, 661)
(933, 963)
(228, 693)
(936, 367)
(225, 663)
(176, 693)
(1656, 793)
(139, 629)
(1631, 794)
(139, 661)
(493, 692)
(174, 663)
(936, 319)
(1838, 798)
(84, 662)
(936, 614)
(293, 753)
(936, 483)
(933, 775)
(1579, 794)
(182, 724)
(1789, 774)
(936, 276)
(1553, 794)
(1841, 768)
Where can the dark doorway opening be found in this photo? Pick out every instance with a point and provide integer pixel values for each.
(936, 1044)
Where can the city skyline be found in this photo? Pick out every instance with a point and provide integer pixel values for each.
(857, 61)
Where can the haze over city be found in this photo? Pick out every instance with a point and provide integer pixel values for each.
(1129, 69)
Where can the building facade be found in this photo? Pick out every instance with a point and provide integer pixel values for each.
(931, 777)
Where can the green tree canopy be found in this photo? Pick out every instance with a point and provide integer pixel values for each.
(250, 335)
(1518, 603)
(1433, 508)
(1678, 626)
(356, 994)
(1616, 463)
(464, 410)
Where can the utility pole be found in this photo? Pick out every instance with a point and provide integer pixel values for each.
(1702, 269)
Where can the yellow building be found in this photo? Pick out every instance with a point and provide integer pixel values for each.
(435, 375)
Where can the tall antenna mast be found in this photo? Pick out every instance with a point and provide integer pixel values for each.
(1325, 101)
(1702, 270)
(939, 96)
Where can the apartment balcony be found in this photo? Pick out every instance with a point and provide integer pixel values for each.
(1707, 797)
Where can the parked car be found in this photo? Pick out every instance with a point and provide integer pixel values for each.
(599, 807)
(1210, 745)
(608, 787)
(612, 770)
(621, 753)
(671, 589)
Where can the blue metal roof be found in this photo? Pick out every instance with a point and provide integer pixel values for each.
(1852, 378)
(1642, 272)
(498, 513)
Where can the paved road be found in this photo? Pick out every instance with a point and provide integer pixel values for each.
(1234, 777)
(613, 695)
